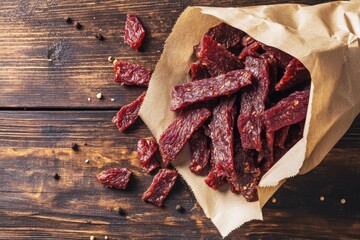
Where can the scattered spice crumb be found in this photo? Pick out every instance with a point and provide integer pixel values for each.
(88, 221)
(92, 238)
(89, 99)
(74, 146)
(343, 201)
(99, 37)
(121, 212)
(112, 99)
(56, 176)
(99, 96)
(94, 17)
(273, 200)
(85, 144)
(111, 59)
(180, 208)
(106, 237)
(68, 20)
(78, 25)
(322, 198)
(87, 161)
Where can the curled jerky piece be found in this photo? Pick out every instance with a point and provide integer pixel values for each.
(213, 53)
(226, 35)
(295, 73)
(253, 103)
(198, 71)
(201, 90)
(200, 153)
(131, 74)
(179, 132)
(160, 187)
(146, 149)
(115, 177)
(134, 32)
(128, 114)
(287, 111)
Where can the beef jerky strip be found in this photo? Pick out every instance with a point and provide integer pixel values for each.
(131, 74)
(253, 104)
(250, 50)
(266, 155)
(134, 32)
(221, 127)
(115, 177)
(287, 111)
(160, 187)
(226, 35)
(213, 53)
(202, 90)
(280, 137)
(295, 73)
(146, 149)
(128, 114)
(281, 56)
(198, 71)
(200, 152)
(179, 132)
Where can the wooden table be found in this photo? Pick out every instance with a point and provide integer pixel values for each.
(49, 69)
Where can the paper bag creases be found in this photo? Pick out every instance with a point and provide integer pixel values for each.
(325, 38)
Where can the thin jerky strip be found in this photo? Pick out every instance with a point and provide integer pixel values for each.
(287, 111)
(253, 104)
(115, 177)
(131, 74)
(250, 50)
(226, 35)
(280, 136)
(202, 90)
(198, 71)
(128, 114)
(281, 56)
(146, 149)
(295, 73)
(134, 32)
(213, 53)
(200, 153)
(266, 155)
(160, 187)
(179, 132)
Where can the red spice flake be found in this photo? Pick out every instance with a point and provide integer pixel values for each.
(128, 114)
(198, 71)
(226, 35)
(134, 32)
(281, 56)
(115, 177)
(131, 74)
(287, 111)
(247, 40)
(146, 149)
(160, 187)
(201, 90)
(200, 153)
(179, 132)
(250, 50)
(295, 73)
(280, 137)
(213, 53)
(253, 103)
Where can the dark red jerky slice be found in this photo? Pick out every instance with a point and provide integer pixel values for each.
(131, 74)
(215, 178)
(205, 89)
(128, 114)
(226, 35)
(134, 32)
(266, 155)
(200, 152)
(283, 57)
(198, 71)
(213, 53)
(287, 111)
(253, 104)
(179, 132)
(280, 137)
(146, 149)
(247, 40)
(115, 177)
(273, 69)
(250, 50)
(295, 73)
(160, 187)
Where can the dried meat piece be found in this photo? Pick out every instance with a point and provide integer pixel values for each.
(115, 177)
(250, 50)
(179, 132)
(200, 153)
(198, 71)
(131, 74)
(266, 155)
(146, 149)
(253, 104)
(247, 40)
(280, 137)
(205, 89)
(128, 114)
(295, 73)
(134, 32)
(281, 56)
(226, 35)
(160, 187)
(215, 178)
(287, 111)
(212, 53)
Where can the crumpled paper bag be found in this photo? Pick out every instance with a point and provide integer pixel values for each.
(325, 38)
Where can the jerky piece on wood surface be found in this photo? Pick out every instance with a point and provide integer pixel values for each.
(179, 132)
(205, 89)
(160, 187)
(134, 32)
(226, 35)
(128, 114)
(115, 177)
(198, 71)
(295, 73)
(200, 152)
(131, 74)
(146, 149)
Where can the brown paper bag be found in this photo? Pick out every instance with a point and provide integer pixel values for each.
(325, 38)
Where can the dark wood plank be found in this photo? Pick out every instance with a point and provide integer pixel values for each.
(32, 32)
(36, 144)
